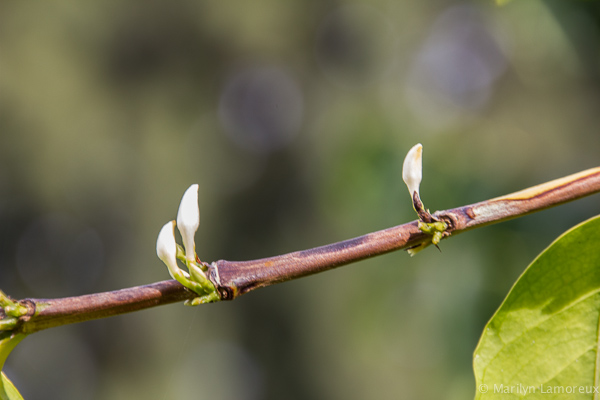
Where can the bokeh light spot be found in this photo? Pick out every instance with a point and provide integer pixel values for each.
(455, 69)
(261, 109)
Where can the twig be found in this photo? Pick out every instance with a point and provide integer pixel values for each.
(234, 278)
(48, 313)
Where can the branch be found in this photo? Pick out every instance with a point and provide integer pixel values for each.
(48, 313)
(234, 278)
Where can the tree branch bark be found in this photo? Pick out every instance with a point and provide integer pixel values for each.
(234, 278)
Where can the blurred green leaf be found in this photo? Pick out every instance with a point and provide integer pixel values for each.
(544, 337)
(8, 390)
(8, 341)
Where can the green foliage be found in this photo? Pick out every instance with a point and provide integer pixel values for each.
(8, 342)
(8, 390)
(543, 340)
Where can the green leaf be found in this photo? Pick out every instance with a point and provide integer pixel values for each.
(8, 341)
(8, 391)
(543, 341)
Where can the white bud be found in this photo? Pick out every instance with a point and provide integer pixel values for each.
(166, 247)
(188, 220)
(412, 170)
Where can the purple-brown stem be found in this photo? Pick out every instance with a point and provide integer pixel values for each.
(234, 278)
(47, 313)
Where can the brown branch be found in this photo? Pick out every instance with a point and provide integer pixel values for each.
(234, 278)
(48, 313)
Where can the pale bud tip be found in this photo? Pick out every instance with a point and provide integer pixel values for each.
(166, 247)
(412, 170)
(188, 220)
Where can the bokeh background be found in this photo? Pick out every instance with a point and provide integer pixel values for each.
(294, 118)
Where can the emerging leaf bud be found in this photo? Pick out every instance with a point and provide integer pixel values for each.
(188, 220)
(166, 247)
(412, 170)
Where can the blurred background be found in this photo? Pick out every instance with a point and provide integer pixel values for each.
(294, 118)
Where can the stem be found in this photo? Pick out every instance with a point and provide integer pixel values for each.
(234, 278)
(48, 313)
